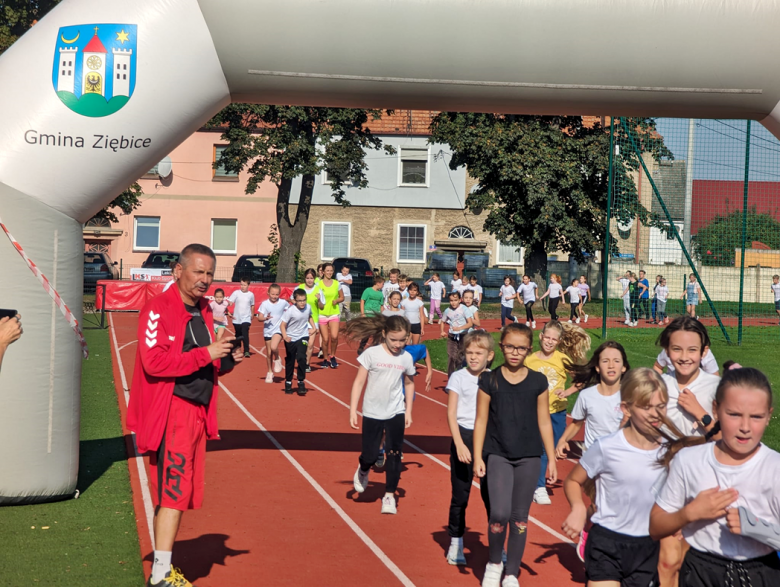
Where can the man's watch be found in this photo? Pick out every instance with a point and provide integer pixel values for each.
(705, 420)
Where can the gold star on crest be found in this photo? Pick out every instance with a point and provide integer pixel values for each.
(122, 36)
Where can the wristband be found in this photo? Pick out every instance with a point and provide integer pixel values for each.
(705, 421)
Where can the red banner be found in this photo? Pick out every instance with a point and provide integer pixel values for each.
(132, 295)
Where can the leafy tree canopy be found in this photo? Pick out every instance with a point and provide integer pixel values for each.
(716, 243)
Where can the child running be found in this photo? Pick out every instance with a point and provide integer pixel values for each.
(437, 290)
(584, 297)
(371, 304)
(297, 327)
(459, 325)
(709, 484)
(392, 284)
(312, 290)
(456, 284)
(385, 370)
(414, 308)
(555, 291)
(659, 302)
(472, 310)
(403, 283)
(552, 363)
(243, 302)
(776, 291)
(345, 279)
(625, 466)
(393, 306)
(270, 314)
(330, 298)
(574, 300)
(462, 388)
(508, 295)
(511, 431)
(526, 295)
(476, 288)
(219, 306)
(691, 295)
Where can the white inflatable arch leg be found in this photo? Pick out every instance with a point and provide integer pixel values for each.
(76, 129)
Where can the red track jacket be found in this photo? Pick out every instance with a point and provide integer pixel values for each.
(159, 361)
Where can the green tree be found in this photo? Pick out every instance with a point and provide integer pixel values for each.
(280, 143)
(543, 179)
(716, 243)
(126, 202)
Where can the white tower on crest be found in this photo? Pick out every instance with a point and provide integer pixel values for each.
(65, 79)
(121, 76)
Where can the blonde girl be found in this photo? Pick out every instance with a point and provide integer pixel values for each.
(331, 295)
(311, 288)
(555, 291)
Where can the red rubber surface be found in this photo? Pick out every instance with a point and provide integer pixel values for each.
(263, 522)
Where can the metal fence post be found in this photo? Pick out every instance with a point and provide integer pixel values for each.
(744, 233)
(103, 307)
(605, 260)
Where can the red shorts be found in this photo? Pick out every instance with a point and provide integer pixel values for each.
(177, 468)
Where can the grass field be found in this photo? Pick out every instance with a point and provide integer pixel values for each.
(90, 541)
(641, 350)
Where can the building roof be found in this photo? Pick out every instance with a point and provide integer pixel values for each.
(95, 46)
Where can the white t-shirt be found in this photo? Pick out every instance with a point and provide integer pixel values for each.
(456, 285)
(469, 311)
(477, 289)
(404, 294)
(625, 476)
(297, 322)
(624, 281)
(528, 291)
(602, 413)
(412, 309)
(388, 288)
(273, 316)
(242, 302)
(661, 293)
(437, 289)
(387, 311)
(574, 294)
(456, 319)
(466, 386)
(555, 290)
(703, 387)
(708, 362)
(341, 278)
(506, 291)
(384, 397)
(776, 290)
(695, 469)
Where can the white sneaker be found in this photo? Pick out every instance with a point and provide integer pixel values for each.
(627, 322)
(569, 320)
(541, 497)
(533, 324)
(360, 480)
(269, 378)
(388, 505)
(492, 576)
(586, 318)
(577, 320)
(515, 320)
(455, 554)
(510, 581)
(277, 365)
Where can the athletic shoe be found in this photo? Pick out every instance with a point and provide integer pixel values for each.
(581, 545)
(586, 318)
(627, 323)
(288, 387)
(577, 320)
(455, 554)
(325, 364)
(380, 460)
(302, 388)
(541, 497)
(246, 355)
(388, 505)
(510, 581)
(320, 354)
(277, 365)
(569, 320)
(333, 363)
(515, 320)
(308, 368)
(269, 378)
(360, 481)
(174, 578)
(492, 576)
(533, 324)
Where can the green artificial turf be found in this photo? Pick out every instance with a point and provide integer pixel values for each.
(92, 540)
(641, 350)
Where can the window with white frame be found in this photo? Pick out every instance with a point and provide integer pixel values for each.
(152, 173)
(509, 254)
(327, 179)
(219, 172)
(224, 236)
(413, 166)
(411, 243)
(146, 233)
(335, 239)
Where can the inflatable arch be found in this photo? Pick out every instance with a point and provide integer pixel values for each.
(100, 90)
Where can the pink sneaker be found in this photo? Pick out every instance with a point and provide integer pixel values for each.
(581, 545)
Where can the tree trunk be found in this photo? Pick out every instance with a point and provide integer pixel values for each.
(536, 266)
(291, 234)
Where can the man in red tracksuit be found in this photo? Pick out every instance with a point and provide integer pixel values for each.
(173, 398)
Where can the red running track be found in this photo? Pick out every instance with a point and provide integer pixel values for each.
(280, 508)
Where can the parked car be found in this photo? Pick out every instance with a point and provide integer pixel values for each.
(160, 259)
(255, 267)
(98, 266)
(361, 271)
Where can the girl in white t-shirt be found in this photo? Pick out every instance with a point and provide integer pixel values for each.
(508, 294)
(625, 466)
(456, 284)
(574, 300)
(463, 389)
(385, 369)
(393, 306)
(526, 295)
(270, 314)
(437, 290)
(708, 483)
(555, 291)
(414, 309)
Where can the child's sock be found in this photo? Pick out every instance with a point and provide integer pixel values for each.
(161, 565)
(456, 541)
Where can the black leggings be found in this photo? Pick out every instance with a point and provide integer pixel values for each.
(242, 330)
(573, 312)
(634, 309)
(461, 477)
(394, 441)
(553, 307)
(511, 486)
(529, 313)
(296, 350)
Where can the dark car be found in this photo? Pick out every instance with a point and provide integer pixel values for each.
(160, 260)
(98, 266)
(254, 267)
(361, 271)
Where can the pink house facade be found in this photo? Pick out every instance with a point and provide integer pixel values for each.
(195, 203)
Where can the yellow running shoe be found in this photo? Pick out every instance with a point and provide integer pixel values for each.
(174, 578)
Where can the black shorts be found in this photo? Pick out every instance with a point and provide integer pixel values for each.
(701, 569)
(416, 328)
(611, 556)
(271, 337)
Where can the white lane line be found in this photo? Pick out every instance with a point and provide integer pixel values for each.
(324, 494)
(139, 461)
(127, 344)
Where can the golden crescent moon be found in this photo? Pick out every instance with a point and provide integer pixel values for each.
(73, 40)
